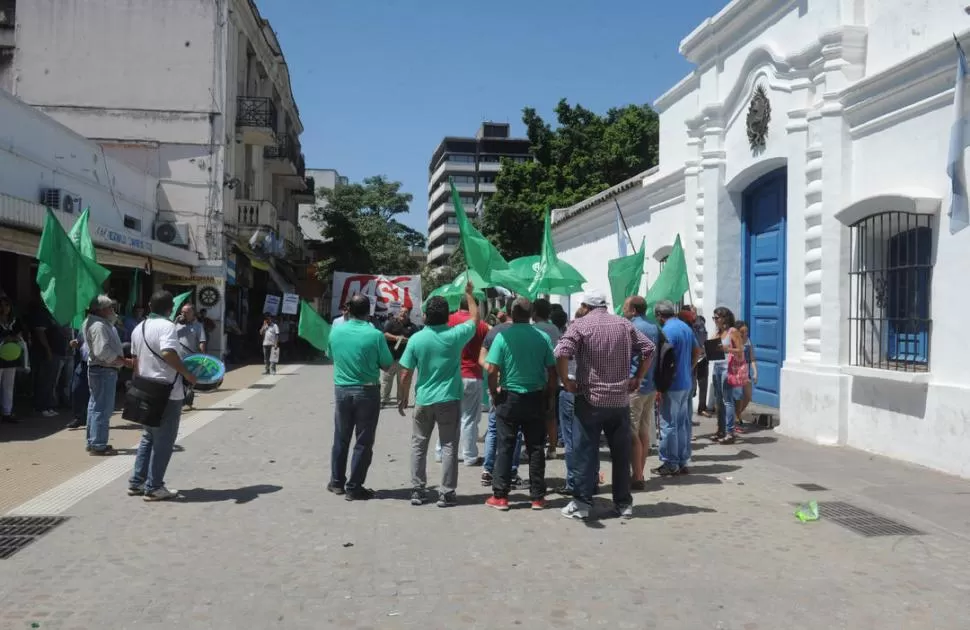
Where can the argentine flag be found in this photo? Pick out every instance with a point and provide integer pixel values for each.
(959, 212)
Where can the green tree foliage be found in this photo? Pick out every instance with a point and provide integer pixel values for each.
(584, 155)
(363, 232)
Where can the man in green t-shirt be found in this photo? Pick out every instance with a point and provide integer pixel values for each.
(359, 353)
(435, 353)
(521, 379)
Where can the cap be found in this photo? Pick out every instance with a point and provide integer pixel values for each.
(595, 299)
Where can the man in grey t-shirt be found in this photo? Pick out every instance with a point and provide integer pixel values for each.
(192, 340)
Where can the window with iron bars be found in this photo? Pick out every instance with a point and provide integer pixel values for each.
(889, 292)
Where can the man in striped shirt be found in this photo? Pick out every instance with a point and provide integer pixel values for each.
(603, 346)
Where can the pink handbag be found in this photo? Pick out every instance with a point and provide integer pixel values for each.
(737, 371)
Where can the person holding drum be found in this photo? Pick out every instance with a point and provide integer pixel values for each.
(192, 340)
(11, 356)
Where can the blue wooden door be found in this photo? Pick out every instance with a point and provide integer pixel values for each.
(764, 208)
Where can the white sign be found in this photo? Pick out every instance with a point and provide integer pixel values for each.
(291, 303)
(387, 294)
(271, 305)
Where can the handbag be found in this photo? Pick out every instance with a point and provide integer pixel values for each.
(145, 400)
(737, 371)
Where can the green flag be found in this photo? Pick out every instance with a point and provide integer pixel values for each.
(480, 255)
(672, 283)
(553, 275)
(134, 293)
(313, 328)
(81, 236)
(178, 302)
(625, 274)
(68, 281)
(455, 290)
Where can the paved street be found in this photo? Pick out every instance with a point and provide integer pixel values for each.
(257, 543)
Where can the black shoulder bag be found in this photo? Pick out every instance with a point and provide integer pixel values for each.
(146, 400)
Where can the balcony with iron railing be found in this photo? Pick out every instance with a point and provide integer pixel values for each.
(256, 119)
(284, 159)
(308, 195)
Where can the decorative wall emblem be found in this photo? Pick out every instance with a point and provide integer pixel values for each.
(759, 115)
(209, 296)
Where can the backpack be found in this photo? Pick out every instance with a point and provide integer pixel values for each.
(666, 368)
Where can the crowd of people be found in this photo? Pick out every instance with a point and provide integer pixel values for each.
(624, 378)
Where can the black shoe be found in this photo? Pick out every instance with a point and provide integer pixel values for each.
(665, 471)
(359, 494)
(447, 499)
(517, 482)
(486, 478)
(104, 452)
(639, 484)
(417, 497)
(335, 488)
(76, 424)
(566, 491)
(9, 419)
(684, 470)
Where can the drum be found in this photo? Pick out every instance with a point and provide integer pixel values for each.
(209, 371)
(10, 351)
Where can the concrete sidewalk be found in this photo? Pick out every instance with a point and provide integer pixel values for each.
(39, 453)
(256, 542)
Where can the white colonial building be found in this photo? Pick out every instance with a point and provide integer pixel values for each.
(803, 165)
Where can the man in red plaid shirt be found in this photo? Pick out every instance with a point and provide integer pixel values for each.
(603, 345)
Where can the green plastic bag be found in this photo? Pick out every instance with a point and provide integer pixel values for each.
(807, 512)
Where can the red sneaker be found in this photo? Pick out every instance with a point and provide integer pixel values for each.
(539, 505)
(498, 504)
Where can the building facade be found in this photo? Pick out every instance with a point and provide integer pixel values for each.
(197, 95)
(473, 164)
(42, 160)
(803, 167)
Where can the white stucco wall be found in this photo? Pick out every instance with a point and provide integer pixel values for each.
(36, 152)
(861, 112)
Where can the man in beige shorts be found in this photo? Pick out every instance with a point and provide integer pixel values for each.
(642, 415)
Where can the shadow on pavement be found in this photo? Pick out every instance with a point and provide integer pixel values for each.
(740, 455)
(663, 510)
(237, 495)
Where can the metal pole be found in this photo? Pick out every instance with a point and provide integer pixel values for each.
(625, 228)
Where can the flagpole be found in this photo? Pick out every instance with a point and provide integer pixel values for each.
(625, 228)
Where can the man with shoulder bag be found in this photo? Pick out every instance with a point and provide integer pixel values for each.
(155, 397)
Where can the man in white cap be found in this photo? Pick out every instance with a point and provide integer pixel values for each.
(603, 345)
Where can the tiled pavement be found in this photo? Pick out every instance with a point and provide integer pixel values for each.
(257, 543)
(38, 454)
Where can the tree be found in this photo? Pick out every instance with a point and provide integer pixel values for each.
(364, 235)
(584, 155)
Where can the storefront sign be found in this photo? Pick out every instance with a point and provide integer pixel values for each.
(196, 280)
(291, 303)
(125, 240)
(271, 305)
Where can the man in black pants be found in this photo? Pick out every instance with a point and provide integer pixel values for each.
(521, 380)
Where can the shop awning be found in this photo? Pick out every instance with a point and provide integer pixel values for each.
(267, 265)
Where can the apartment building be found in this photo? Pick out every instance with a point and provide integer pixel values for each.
(197, 95)
(473, 163)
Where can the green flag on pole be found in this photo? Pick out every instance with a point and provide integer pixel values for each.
(180, 299)
(455, 290)
(625, 274)
(81, 236)
(134, 293)
(313, 328)
(673, 282)
(68, 280)
(553, 275)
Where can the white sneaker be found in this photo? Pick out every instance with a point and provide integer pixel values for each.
(162, 494)
(575, 510)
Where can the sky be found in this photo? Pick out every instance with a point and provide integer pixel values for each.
(379, 83)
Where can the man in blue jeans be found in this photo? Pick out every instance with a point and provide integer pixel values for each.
(105, 357)
(675, 407)
(359, 352)
(603, 346)
(155, 357)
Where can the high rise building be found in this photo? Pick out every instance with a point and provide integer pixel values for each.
(473, 163)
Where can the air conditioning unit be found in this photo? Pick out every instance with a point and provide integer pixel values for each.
(173, 233)
(60, 199)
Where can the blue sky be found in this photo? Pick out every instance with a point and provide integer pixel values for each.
(380, 82)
